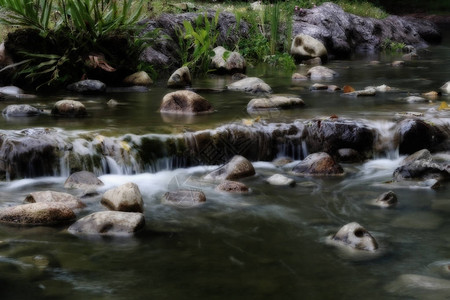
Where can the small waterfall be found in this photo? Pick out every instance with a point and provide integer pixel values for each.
(385, 145)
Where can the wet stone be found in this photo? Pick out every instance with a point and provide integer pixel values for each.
(42, 213)
(232, 187)
(55, 197)
(387, 200)
(83, 180)
(126, 197)
(280, 180)
(355, 236)
(184, 198)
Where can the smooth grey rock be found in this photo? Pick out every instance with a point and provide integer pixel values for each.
(238, 167)
(184, 198)
(387, 200)
(362, 93)
(355, 236)
(11, 90)
(37, 214)
(185, 102)
(298, 76)
(109, 223)
(415, 99)
(225, 61)
(305, 47)
(180, 78)
(446, 87)
(250, 85)
(69, 108)
(126, 197)
(69, 200)
(281, 180)
(21, 110)
(321, 73)
(274, 103)
(87, 86)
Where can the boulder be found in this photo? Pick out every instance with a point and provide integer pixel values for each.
(227, 62)
(321, 73)
(180, 78)
(126, 197)
(21, 110)
(109, 223)
(318, 164)
(83, 180)
(87, 86)
(69, 200)
(69, 108)
(362, 93)
(250, 85)
(11, 90)
(387, 200)
(42, 213)
(414, 134)
(184, 198)
(274, 103)
(238, 167)
(298, 76)
(415, 99)
(232, 187)
(185, 102)
(446, 87)
(305, 47)
(355, 236)
(281, 180)
(331, 134)
(138, 78)
(422, 166)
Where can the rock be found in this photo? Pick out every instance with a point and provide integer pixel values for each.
(21, 110)
(413, 134)
(432, 95)
(87, 86)
(180, 78)
(349, 155)
(112, 103)
(415, 99)
(126, 197)
(238, 167)
(5, 59)
(333, 88)
(69, 200)
(39, 214)
(281, 161)
(138, 78)
(185, 102)
(421, 165)
(398, 63)
(410, 56)
(381, 88)
(227, 62)
(184, 198)
(318, 87)
(274, 102)
(109, 223)
(250, 85)
(331, 134)
(298, 76)
(83, 180)
(318, 164)
(11, 90)
(232, 187)
(155, 58)
(355, 236)
(321, 73)
(238, 76)
(305, 47)
(446, 87)
(279, 179)
(317, 61)
(416, 286)
(361, 93)
(387, 200)
(69, 108)
(344, 33)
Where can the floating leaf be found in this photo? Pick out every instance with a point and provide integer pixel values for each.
(348, 89)
(443, 106)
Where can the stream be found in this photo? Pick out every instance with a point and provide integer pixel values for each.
(269, 243)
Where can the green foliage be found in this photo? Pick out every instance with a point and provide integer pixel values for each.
(70, 31)
(388, 45)
(282, 60)
(197, 43)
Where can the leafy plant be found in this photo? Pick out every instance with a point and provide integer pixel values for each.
(282, 60)
(389, 45)
(197, 43)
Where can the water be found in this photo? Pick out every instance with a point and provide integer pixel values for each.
(266, 244)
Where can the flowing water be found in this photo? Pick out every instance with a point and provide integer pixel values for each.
(270, 243)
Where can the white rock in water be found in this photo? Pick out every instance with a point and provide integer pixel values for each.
(11, 90)
(446, 87)
(279, 179)
(415, 99)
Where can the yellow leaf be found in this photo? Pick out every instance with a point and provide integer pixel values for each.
(443, 106)
(125, 146)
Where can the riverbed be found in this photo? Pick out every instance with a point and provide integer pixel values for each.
(269, 243)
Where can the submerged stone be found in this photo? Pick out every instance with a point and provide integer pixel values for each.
(232, 187)
(387, 200)
(355, 236)
(109, 223)
(184, 198)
